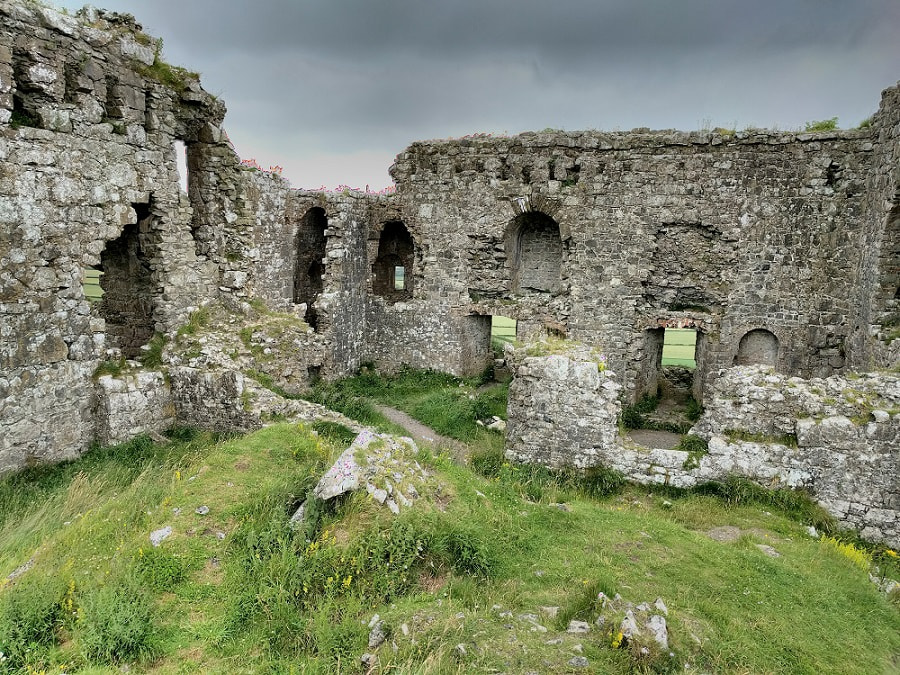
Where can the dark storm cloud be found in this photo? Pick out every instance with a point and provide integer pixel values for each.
(332, 85)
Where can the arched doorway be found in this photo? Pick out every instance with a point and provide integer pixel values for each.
(125, 278)
(309, 268)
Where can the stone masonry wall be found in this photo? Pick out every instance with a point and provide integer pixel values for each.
(421, 335)
(87, 151)
(836, 437)
(731, 232)
(562, 412)
(878, 291)
(339, 307)
(132, 404)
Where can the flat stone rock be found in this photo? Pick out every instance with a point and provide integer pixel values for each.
(768, 550)
(158, 536)
(726, 533)
(377, 635)
(656, 626)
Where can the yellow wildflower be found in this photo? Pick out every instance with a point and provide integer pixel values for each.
(617, 640)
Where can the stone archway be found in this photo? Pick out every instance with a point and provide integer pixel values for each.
(758, 346)
(308, 267)
(128, 290)
(393, 265)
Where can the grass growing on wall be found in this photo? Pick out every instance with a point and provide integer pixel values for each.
(236, 590)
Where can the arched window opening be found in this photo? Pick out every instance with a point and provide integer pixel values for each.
(309, 269)
(127, 288)
(535, 248)
(393, 265)
(758, 346)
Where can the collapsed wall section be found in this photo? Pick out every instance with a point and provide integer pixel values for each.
(835, 437)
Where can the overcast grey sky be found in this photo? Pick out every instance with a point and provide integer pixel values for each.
(333, 89)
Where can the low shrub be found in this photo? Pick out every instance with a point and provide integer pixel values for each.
(159, 569)
(462, 548)
(487, 460)
(30, 613)
(821, 125)
(534, 481)
(584, 605)
(152, 356)
(633, 415)
(335, 432)
(601, 481)
(694, 410)
(858, 556)
(115, 623)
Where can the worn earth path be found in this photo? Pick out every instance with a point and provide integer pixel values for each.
(422, 434)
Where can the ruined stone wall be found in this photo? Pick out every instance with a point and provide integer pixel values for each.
(836, 437)
(424, 335)
(731, 232)
(218, 400)
(88, 123)
(878, 292)
(562, 412)
(281, 252)
(131, 404)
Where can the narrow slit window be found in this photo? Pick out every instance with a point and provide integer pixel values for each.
(181, 163)
(399, 278)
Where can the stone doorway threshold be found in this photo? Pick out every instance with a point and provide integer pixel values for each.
(659, 440)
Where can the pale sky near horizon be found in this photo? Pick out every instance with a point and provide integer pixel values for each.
(332, 90)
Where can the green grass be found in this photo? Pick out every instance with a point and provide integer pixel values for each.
(503, 328)
(266, 598)
(679, 347)
(449, 405)
(91, 284)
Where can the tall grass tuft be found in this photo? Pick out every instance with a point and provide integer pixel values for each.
(115, 623)
(30, 614)
(795, 503)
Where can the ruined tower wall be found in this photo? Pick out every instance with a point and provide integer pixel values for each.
(730, 231)
(88, 124)
(878, 293)
(337, 312)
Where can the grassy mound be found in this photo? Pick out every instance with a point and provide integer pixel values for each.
(459, 580)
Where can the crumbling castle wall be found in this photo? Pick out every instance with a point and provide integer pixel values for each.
(724, 232)
(89, 119)
(836, 437)
(563, 411)
(878, 290)
(779, 249)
